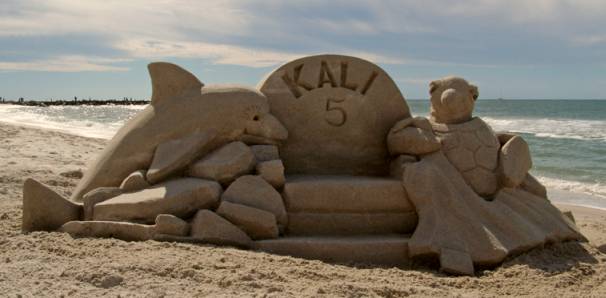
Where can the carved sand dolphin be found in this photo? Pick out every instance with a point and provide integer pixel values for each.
(180, 106)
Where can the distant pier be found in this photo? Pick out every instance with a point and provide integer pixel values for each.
(74, 102)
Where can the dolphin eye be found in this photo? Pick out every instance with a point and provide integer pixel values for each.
(256, 118)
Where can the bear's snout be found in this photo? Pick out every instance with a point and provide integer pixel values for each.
(450, 97)
(452, 100)
(456, 105)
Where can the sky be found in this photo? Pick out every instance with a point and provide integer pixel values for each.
(554, 49)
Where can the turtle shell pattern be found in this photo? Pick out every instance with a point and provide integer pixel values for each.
(473, 148)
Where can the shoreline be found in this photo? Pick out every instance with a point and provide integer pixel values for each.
(55, 130)
(565, 197)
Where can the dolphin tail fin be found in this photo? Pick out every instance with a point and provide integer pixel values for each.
(170, 80)
(46, 210)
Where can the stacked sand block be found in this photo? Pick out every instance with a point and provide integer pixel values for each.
(347, 205)
(212, 199)
(383, 250)
(254, 192)
(175, 158)
(338, 193)
(184, 122)
(369, 218)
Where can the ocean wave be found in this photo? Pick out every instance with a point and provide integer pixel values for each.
(597, 190)
(88, 121)
(552, 128)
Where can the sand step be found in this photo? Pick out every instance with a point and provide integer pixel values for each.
(318, 224)
(346, 194)
(385, 250)
(347, 205)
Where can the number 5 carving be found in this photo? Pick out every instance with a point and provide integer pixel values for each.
(330, 108)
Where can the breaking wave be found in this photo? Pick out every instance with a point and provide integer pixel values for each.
(590, 130)
(88, 121)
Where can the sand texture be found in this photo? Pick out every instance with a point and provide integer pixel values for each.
(54, 264)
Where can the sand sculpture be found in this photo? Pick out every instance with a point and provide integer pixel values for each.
(323, 162)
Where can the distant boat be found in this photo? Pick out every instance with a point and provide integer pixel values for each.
(500, 98)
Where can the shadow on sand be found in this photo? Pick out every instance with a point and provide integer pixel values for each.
(555, 258)
(552, 259)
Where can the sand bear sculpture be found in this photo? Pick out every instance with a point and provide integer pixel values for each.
(471, 145)
(468, 143)
(486, 160)
(202, 164)
(476, 201)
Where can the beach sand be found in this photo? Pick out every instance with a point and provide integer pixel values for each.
(54, 264)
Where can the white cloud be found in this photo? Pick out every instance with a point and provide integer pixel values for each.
(346, 26)
(501, 10)
(125, 19)
(64, 64)
(161, 29)
(415, 81)
(589, 40)
(255, 57)
(221, 30)
(219, 53)
(228, 54)
(177, 19)
(560, 19)
(377, 58)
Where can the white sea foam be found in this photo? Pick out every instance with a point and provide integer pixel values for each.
(598, 190)
(87, 121)
(552, 128)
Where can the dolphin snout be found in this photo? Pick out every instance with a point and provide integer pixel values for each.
(274, 128)
(267, 126)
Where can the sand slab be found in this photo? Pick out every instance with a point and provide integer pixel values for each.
(387, 250)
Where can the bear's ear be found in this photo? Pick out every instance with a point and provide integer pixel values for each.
(433, 86)
(474, 91)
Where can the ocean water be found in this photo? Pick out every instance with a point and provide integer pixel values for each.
(567, 138)
(89, 121)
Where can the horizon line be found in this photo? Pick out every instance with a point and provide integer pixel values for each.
(6, 100)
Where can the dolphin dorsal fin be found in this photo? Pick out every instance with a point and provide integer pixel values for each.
(170, 80)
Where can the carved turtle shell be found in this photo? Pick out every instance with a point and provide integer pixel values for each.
(473, 148)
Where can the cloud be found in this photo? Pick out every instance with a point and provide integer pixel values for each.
(226, 53)
(512, 11)
(164, 29)
(180, 18)
(415, 81)
(121, 18)
(65, 64)
(262, 34)
(589, 40)
(557, 19)
(257, 57)
(219, 53)
(345, 26)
